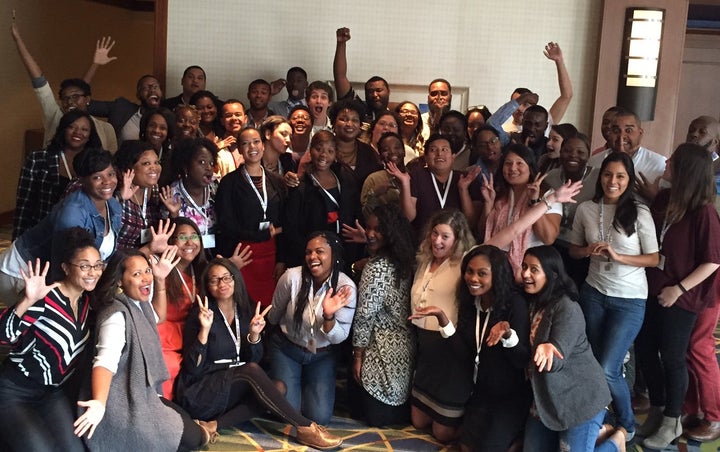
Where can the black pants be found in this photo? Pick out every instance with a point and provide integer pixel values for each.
(661, 347)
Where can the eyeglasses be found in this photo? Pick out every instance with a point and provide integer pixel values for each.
(100, 266)
(390, 125)
(485, 144)
(405, 112)
(227, 279)
(182, 238)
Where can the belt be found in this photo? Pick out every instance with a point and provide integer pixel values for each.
(319, 349)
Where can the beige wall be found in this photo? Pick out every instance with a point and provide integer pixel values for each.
(61, 35)
(490, 47)
(659, 134)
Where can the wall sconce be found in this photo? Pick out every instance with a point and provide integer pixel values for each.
(637, 86)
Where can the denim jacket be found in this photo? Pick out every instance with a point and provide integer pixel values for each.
(77, 209)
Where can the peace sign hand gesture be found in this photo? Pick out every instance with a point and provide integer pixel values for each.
(257, 323)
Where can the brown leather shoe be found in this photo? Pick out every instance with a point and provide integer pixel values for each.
(706, 432)
(317, 437)
(690, 421)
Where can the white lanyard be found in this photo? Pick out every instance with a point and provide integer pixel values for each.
(603, 235)
(190, 293)
(315, 299)
(478, 335)
(512, 207)
(264, 198)
(331, 197)
(67, 168)
(143, 207)
(663, 231)
(200, 210)
(442, 198)
(236, 335)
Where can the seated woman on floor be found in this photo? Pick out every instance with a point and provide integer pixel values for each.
(220, 381)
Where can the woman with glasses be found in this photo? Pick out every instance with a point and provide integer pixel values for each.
(48, 330)
(221, 382)
(93, 208)
(486, 149)
(181, 287)
(411, 127)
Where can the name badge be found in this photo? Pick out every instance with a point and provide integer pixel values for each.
(264, 225)
(608, 268)
(145, 236)
(208, 241)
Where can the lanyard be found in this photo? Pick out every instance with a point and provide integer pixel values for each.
(331, 197)
(511, 210)
(190, 293)
(479, 335)
(263, 199)
(67, 168)
(143, 207)
(442, 198)
(663, 231)
(315, 299)
(200, 210)
(236, 334)
(604, 235)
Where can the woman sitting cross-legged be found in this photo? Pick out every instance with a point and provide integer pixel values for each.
(220, 380)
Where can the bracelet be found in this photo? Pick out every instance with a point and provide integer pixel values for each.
(161, 290)
(546, 203)
(332, 317)
(532, 202)
(251, 342)
(684, 290)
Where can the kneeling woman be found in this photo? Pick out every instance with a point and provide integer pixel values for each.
(128, 370)
(569, 389)
(220, 378)
(48, 330)
(314, 305)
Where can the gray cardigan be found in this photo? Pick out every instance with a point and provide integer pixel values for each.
(135, 417)
(575, 389)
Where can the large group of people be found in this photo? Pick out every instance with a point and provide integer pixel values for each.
(481, 276)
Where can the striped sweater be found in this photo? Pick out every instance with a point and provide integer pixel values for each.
(47, 341)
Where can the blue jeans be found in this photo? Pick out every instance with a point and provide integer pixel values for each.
(612, 324)
(310, 378)
(580, 438)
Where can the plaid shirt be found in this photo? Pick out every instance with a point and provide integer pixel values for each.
(40, 187)
(133, 222)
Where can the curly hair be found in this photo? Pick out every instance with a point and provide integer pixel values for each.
(186, 150)
(464, 239)
(242, 299)
(65, 246)
(397, 239)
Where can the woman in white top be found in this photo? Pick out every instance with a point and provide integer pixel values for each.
(618, 235)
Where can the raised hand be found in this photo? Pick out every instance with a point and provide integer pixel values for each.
(334, 301)
(528, 99)
(393, 169)
(552, 51)
(487, 190)
(354, 234)
(159, 241)
(467, 178)
(646, 188)
(276, 86)
(342, 34)
(205, 314)
(241, 256)
(565, 192)
(544, 355)
(171, 202)
(166, 262)
(533, 188)
(128, 188)
(35, 287)
(257, 323)
(102, 51)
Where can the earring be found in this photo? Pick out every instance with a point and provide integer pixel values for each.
(119, 290)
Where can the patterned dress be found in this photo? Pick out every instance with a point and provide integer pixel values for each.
(381, 327)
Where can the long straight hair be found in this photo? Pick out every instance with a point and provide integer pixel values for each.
(557, 284)
(626, 210)
(242, 299)
(693, 181)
